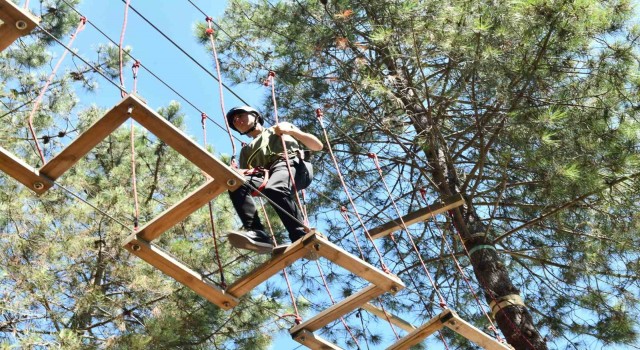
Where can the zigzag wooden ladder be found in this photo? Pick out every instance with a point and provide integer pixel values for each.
(447, 318)
(223, 178)
(14, 23)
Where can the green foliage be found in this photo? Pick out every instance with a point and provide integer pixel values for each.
(533, 106)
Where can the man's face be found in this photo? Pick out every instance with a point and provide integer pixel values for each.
(243, 121)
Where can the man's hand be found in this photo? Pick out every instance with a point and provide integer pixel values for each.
(285, 128)
(310, 141)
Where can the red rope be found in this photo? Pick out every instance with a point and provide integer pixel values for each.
(124, 28)
(210, 32)
(284, 271)
(491, 295)
(40, 97)
(271, 82)
(345, 214)
(333, 302)
(464, 275)
(404, 227)
(133, 177)
(223, 284)
(320, 116)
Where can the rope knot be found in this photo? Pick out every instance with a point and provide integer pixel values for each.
(423, 193)
(208, 19)
(319, 113)
(372, 155)
(343, 209)
(83, 19)
(209, 31)
(272, 74)
(203, 117)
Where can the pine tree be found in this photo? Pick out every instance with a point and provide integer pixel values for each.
(529, 109)
(65, 279)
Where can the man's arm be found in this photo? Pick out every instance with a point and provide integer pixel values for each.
(309, 140)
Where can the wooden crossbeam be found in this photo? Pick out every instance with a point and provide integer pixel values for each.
(14, 23)
(451, 320)
(339, 309)
(180, 272)
(272, 266)
(23, 173)
(84, 143)
(472, 333)
(313, 341)
(315, 243)
(181, 210)
(177, 140)
(382, 314)
(386, 281)
(417, 216)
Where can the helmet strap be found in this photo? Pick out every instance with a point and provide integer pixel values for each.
(255, 123)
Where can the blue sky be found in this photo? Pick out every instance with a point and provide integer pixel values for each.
(177, 20)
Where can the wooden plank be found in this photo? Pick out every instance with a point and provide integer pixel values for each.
(475, 335)
(420, 333)
(272, 266)
(387, 281)
(383, 315)
(14, 23)
(180, 272)
(339, 309)
(417, 216)
(84, 143)
(181, 210)
(23, 173)
(175, 138)
(313, 341)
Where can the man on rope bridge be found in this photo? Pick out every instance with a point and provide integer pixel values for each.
(264, 162)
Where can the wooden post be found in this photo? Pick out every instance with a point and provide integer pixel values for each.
(383, 315)
(451, 320)
(180, 272)
(188, 148)
(339, 309)
(23, 173)
(180, 210)
(417, 216)
(272, 266)
(14, 23)
(84, 143)
(313, 341)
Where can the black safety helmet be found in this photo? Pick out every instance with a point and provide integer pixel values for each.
(244, 109)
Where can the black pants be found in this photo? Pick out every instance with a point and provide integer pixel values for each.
(279, 189)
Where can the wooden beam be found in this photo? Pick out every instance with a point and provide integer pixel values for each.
(14, 23)
(475, 335)
(177, 140)
(450, 319)
(385, 316)
(386, 281)
(84, 143)
(272, 266)
(23, 173)
(418, 216)
(181, 210)
(420, 333)
(180, 272)
(339, 309)
(313, 341)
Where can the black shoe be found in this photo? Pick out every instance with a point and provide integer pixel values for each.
(257, 241)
